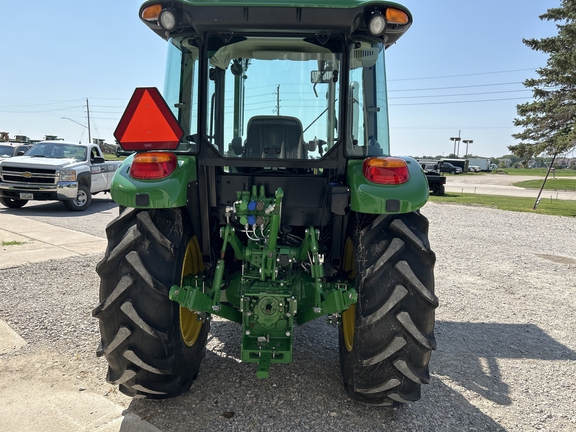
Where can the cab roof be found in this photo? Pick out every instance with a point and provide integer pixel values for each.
(346, 17)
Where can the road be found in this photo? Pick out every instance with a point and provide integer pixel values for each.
(500, 184)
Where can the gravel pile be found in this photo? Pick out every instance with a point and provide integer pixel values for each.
(506, 357)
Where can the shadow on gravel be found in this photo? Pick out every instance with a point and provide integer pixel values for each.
(306, 394)
(99, 204)
(468, 353)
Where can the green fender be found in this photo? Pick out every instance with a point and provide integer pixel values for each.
(368, 197)
(164, 193)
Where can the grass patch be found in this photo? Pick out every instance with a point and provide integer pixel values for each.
(13, 243)
(563, 184)
(546, 206)
(112, 157)
(539, 172)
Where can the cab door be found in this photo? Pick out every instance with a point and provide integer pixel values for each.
(100, 177)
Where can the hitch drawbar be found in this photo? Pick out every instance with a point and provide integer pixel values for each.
(278, 284)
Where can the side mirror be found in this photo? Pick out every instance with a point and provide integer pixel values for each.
(236, 146)
(316, 144)
(98, 160)
(20, 153)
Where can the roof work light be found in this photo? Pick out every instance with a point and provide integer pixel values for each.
(377, 23)
(167, 19)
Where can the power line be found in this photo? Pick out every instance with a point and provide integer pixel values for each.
(41, 104)
(453, 87)
(454, 127)
(458, 94)
(462, 75)
(42, 111)
(459, 102)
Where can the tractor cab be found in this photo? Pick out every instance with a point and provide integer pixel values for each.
(280, 97)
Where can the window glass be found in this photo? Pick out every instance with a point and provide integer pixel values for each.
(58, 151)
(273, 98)
(367, 102)
(179, 86)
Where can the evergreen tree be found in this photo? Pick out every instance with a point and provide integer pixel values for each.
(549, 121)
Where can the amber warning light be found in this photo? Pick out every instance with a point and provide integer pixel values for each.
(148, 123)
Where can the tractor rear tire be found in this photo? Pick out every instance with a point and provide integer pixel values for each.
(386, 338)
(149, 354)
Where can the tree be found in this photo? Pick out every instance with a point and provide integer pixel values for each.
(549, 121)
(525, 152)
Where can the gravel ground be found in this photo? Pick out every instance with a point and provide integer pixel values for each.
(506, 357)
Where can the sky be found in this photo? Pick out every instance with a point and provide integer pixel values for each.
(458, 71)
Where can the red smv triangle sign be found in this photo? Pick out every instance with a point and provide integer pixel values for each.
(148, 123)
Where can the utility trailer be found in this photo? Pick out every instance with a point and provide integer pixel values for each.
(483, 163)
(261, 189)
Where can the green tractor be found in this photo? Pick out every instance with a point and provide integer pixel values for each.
(260, 189)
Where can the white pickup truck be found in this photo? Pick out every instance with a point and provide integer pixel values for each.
(56, 170)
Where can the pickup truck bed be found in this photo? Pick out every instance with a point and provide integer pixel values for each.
(436, 182)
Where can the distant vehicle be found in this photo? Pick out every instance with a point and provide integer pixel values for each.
(447, 167)
(483, 163)
(56, 170)
(493, 167)
(474, 168)
(461, 163)
(436, 182)
(9, 149)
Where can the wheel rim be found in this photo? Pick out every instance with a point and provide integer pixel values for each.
(348, 327)
(81, 198)
(349, 315)
(190, 325)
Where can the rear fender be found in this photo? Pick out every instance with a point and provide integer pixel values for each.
(368, 197)
(163, 193)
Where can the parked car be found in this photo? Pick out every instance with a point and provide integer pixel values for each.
(447, 167)
(474, 168)
(9, 149)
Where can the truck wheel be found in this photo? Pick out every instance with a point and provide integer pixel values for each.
(441, 190)
(153, 346)
(82, 200)
(386, 338)
(13, 203)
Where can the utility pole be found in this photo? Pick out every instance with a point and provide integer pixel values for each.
(458, 151)
(88, 113)
(278, 100)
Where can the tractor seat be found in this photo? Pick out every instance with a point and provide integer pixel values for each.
(274, 137)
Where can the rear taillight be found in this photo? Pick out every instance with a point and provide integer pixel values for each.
(153, 165)
(386, 170)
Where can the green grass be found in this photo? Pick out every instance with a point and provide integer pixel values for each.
(546, 205)
(563, 184)
(12, 243)
(539, 172)
(112, 157)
